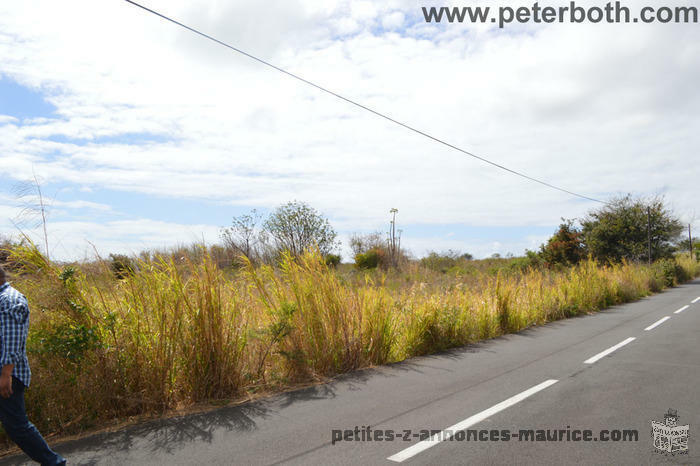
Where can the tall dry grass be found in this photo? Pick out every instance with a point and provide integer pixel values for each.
(174, 333)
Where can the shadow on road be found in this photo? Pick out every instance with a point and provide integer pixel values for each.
(164, 434)
(173, 434)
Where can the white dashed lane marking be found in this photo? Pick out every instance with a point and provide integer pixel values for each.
(602, 354)
(657, 323)
(448, 433)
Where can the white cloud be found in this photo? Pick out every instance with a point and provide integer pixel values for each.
(124, 236)
(84, 239)
(7, 119)
(597, 109)
(393, 20)
(81, 205)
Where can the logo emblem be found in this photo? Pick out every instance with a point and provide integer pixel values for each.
(670, 438)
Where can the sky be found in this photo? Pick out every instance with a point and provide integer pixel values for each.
(144, 135)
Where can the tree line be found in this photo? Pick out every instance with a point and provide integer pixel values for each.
(626, 228)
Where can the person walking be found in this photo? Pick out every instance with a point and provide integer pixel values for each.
(15, 376)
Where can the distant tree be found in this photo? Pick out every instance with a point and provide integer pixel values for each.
(122, 266)
(361, 243)
(333, 260)
(442, 262)
(618, 230)
(296, 226)
(565, 246)
(682, 247)
(244, 236)
(394, 241)
(372, 250)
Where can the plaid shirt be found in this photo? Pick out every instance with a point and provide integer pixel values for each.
(14, 324)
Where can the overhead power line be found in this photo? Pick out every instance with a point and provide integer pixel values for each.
(364, 107)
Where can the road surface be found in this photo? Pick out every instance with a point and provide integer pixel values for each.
(609, 373)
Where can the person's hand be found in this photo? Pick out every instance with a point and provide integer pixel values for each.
(5, 384)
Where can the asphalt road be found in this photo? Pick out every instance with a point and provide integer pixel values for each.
(550, 377)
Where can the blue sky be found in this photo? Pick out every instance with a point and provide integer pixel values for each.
(21, 102)
(154, 137)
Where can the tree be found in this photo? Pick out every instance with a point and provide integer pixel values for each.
(369, 250)
(683, 247)
(361, 243)
(394, 242)
(244, 235)
(565, 246)
(122, 266)
(296, 226)
(622, 228)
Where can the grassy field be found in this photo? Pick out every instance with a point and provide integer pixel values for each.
(176, 332)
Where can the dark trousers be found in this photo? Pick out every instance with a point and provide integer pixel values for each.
(21, 431)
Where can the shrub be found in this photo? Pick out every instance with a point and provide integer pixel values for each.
(361, 243)
(371, 259)
(671, 272)
(332, 259)
(531, 260)
(67, 341)
(122, 266)
(565, 246)
(445, 261)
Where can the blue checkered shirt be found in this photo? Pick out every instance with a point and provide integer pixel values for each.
(14, 324)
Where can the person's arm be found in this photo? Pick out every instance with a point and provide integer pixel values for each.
(6, 380)
(11, 333)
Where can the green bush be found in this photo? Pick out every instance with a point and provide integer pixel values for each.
(531, 260)
(66, 341)
(445, 261)
(370, 259)
(122, 266)
(565, 246)
(671, 272)
(332, 259)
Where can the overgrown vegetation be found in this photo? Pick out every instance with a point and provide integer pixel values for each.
(445, 262)
(273, 306)
(565, 247)
(292, 227)
(371, 251)
(631, 229)
(178, 329)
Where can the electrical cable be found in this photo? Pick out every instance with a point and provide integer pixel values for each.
(364, 107)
